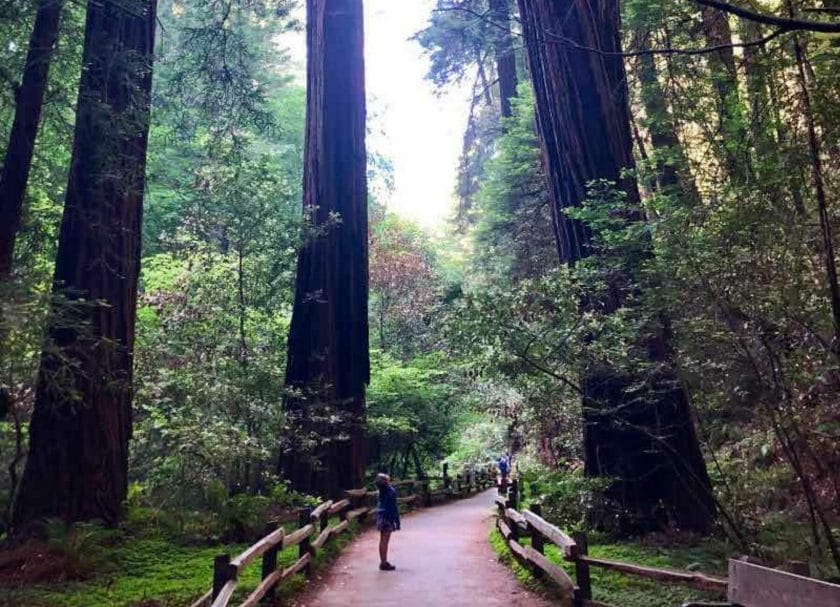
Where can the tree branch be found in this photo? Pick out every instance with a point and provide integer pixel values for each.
(786, 24)
(552, 38)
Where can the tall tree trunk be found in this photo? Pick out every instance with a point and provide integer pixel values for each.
(826, 227)
(642, 436)
(505, 55)
(755, 70)
(671, 161)
(78, 446)
(28, 103)
(716, 30)
(328, 360)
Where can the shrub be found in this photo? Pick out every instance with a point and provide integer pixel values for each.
(570, 500)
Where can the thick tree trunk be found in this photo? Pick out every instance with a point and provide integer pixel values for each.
(78, 447)
(505, 55)
(642, 436)
(28, 103)
(328, 361)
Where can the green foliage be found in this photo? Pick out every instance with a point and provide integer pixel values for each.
(513, 226)
(480, 440)
(412, 410)
(568, 499)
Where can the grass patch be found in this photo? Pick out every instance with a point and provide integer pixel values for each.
(153, 570)
(523, 574)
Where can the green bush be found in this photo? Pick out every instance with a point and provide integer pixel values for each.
(284, 497)
(569, 500)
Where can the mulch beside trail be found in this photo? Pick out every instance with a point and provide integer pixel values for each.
(34, 563)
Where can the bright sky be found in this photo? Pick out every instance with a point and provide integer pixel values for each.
(419, 131)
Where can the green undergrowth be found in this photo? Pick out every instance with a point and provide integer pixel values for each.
(152, 570)
(709, 556)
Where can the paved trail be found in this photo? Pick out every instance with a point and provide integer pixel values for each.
(443, 558)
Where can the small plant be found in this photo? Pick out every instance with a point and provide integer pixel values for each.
(241, 517)
(286, 498)
(84, 547)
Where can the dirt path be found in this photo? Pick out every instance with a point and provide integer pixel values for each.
(443, 557)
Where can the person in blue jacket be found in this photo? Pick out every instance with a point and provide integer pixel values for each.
(387, 518)
(504, 469)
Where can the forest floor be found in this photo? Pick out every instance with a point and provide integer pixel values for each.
(137, 569)
(442, 557)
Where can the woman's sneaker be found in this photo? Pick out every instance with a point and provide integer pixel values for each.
(386, 567)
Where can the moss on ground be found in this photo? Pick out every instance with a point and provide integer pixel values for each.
(153, 570)
(708, 556)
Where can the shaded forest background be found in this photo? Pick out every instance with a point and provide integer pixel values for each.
(702, 271)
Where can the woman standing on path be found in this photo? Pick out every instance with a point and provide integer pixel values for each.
(387, 518)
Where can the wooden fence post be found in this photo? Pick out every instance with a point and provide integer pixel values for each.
(537, 540)
(223, 572)
(446, 479)
(584, 582)
(305, 547)
(269, 562)
(427, 494)
(514, 493)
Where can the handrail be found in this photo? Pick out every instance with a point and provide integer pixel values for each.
(315, 523)
(512, 524)
(701, 581)
(258, 549)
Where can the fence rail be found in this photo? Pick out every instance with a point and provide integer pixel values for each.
(514, 525)
(315, 522)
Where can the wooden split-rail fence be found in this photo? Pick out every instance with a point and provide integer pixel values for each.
(316, 530)
(748, 584)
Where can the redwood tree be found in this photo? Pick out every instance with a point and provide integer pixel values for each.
(78, 447)
(505, 54)
(328, 362)
(639, 432)
(29, 99)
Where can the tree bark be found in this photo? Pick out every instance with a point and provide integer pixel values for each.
(328, 359)
(642, 436)
(28, 103)
(78, 447)
(505, 55)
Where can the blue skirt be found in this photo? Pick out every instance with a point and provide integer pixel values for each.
(385, 524)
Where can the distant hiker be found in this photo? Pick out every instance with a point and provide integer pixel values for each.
(504, 469)
(387, 518)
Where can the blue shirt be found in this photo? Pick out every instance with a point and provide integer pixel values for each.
(387, 505)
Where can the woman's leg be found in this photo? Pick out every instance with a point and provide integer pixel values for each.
(384, 538)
